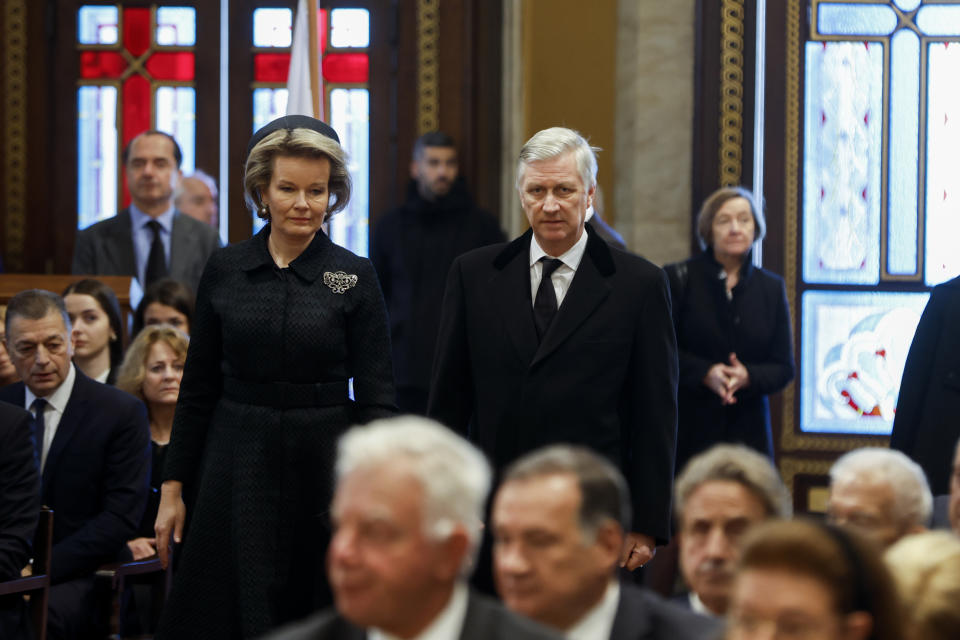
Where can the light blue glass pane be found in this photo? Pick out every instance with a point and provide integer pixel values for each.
(272, 27)
(939, 20)
(903, 179)
(843, 119)
(177, 26)
(97, 25)
(349, 28)
(96, 154)
(943, 162)
(268, 105)
(177, 115)
(350, 117)
(855, 20)
(907, 5)
(854, 346)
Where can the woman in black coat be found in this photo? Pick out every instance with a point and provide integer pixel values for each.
(733, 331)
(283, 322)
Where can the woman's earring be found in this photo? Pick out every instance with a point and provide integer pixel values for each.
(264, 211)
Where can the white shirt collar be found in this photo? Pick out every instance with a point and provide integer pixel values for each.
(570, 258)
(58, 399)
(697, 606)
(446, 626)
(589, 214)
(598, 621)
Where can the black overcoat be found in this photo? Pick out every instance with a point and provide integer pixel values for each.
(604, 376)
(925, 426)
(263, 475)
(754, 324)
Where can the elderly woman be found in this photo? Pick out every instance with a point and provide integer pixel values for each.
(926, 569)
(801, 579)
(152, 370)
(284, 321)
(733, 331)
(97, 333)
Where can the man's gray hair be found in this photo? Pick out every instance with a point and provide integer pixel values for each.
(734, 463)
(912, 500)
(556, 141)
(604, 494)
(454, 475)
(200, 175)
(35, 304)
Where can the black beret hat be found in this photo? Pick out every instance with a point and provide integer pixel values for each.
(292, 122)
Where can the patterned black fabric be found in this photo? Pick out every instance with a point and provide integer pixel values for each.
(262, 476)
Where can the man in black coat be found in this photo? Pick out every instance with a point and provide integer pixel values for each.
(408, 507)
(93, 444)
(925, 426)
(558, 521)
(586, 355)
(19, 508)
(412, 249)
(150, 239)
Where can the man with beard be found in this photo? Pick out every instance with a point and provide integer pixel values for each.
(412, 249)
(720, 494)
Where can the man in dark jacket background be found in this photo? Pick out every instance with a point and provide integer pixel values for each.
(412, 249)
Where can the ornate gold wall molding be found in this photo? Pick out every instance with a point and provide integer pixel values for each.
(731, 92)
(15, 129)
(428, 65)
(790, 468)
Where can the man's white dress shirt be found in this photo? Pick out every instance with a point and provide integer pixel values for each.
(56, 404)
(563, 276)
(597, 623)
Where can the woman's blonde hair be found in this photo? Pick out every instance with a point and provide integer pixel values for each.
(926, 568)
(134, 367)
(295, 143)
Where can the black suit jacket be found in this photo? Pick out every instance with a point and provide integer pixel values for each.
(19, 490)
(925, 426)
(604, 376)
(106, 248)
(96, 475)
(486, 619)
(643, 615)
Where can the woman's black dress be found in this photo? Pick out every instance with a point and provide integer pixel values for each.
(755, 324)
(263, 400)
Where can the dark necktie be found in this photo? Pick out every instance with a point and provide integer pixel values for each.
(38, 425)
(545, 304)
(156, 261)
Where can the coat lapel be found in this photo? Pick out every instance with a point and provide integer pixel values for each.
(511, 285)
(69, 424)
(118, 246)
(589, 288)
(181, 247)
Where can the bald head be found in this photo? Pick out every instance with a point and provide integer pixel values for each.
(196, 196)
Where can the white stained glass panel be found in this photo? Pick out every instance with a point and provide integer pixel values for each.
(96, 154)
(855, 19)
(843, 120)
(272, 27)
(903, 174)
(854, 346)
(907, 5)
(177, 115)
(943, 163)
(941, 20)
(349, 28)
(176, 26)
(350, 117)
(97, 25)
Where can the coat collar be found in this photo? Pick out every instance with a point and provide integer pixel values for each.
(308, 265)
(597, 250)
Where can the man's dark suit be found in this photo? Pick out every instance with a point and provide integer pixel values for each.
(96, 481)
(925, 426)
(605, 375)
(19, 508)
(106, 248)
(643, 615)
(485, 620)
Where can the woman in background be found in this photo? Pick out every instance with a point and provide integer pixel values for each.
(166, 301)
(8, 373)
(733, 331)
(97, 332)
(926, 568)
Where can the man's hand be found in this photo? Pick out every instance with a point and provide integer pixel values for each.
(142, 547)
(638, 550)
(170, 518)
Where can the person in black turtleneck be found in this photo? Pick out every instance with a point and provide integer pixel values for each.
(733, 331)
(412, 249)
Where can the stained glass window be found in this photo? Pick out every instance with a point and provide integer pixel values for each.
(137, 68)
(881, 199)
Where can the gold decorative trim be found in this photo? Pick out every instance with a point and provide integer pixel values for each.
(731, 92)
(790, 468)
(15, 130)
(428, 65)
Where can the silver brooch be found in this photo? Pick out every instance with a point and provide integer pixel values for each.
(338, 281)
